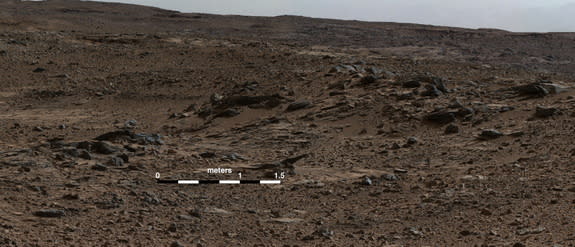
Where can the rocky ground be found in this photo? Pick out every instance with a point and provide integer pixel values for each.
(388, 134)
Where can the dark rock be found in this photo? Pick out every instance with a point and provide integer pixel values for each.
(431, 91)
(486, 212)
(191, 108)
(411, 84)
(173, 228)
(50, 213)
(441, 117)
(131, 124)
(230, 112)
(395, 146)
(196, 213)
(124, 157)
(208, 155)
(116, 161)
(56, 143)
(389, 177)
(133, 148)
(405, 96)
(336, 93)
(83, 145)
(412, 140)
(540, 89)
(71, 197)
(465, 233)
(455, 104)
(544, 112)
(324, 232)
(73, 152)
(451, 129)
(465, 111)
(366, 181)
(554, 88)
(373, 70)
(339, 85)
(487, 134)
(150, 198)
(342, 69)
(440, 84)
(368, 79)
(104, 148)
(204, 111)
(293, 160)
(216, 99)
(39, 70)
(506, 108)
(176, 244)
(534, 89)
(517, 134)
(298, 105)
(115, 136)
(121, 136)
(84, 154)
(99, 167)
(148, 139)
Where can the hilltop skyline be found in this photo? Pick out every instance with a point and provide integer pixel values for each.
(513, 15)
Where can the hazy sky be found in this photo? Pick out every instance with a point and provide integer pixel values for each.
(512, 15)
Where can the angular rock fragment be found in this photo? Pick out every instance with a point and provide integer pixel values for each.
(545, 112)
(228, 113)
(488, 134)
(99, 167)
(104, 148)
(451, 129)
(411, 84)
(116, 161)
(368, 79)
(441, 117)
(540, 89)
(298, 105)
(366, 181)
(128, 136)
(115, 135)
(431, 91)
(50, 213)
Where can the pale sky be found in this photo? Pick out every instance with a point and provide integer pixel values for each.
(512, 15)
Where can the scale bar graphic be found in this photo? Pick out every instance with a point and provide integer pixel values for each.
(160, 181)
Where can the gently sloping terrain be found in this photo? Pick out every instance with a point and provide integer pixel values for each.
(387, 134)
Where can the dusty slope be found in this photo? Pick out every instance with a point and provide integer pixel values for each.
(219, 95)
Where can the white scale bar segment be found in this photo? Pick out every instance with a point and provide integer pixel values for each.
(188, 181)
(270, 181)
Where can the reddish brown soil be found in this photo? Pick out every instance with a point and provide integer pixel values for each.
(71, 71)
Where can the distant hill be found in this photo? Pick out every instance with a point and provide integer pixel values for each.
(554, 51)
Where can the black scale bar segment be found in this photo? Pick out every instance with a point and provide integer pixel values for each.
(161, 181)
